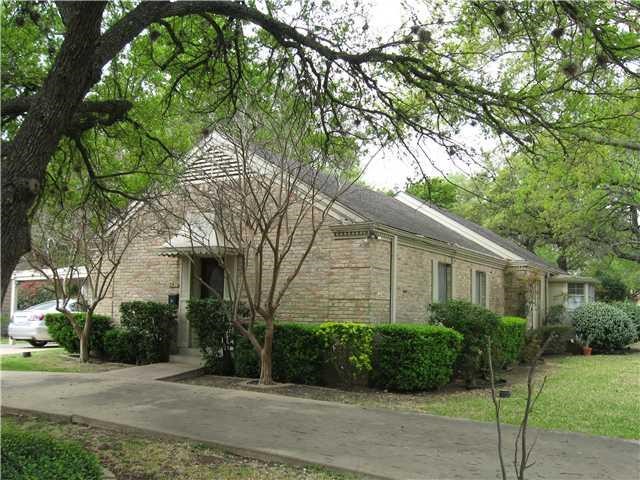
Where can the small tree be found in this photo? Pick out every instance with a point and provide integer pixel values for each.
(79, 251)
(258, 209)
(522, 451)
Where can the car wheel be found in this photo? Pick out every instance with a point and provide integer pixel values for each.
(38, 343)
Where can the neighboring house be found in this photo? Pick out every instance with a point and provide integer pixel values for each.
(378, 259)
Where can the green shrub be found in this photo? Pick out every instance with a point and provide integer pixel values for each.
(603, 326)
(211, 320)
(413, 357)
(508, 341)
(347, 349)
(535, 338)
(155, 325)
(633, 312)
(121, 345)
(557, 315)
(297, 354)
(36, 456)
(476, 324)
(63, 333)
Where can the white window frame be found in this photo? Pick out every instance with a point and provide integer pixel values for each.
(575, 300)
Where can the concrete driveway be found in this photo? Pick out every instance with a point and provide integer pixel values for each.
(19, 347)
(381, 443)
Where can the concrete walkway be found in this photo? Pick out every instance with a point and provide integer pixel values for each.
(374, 442)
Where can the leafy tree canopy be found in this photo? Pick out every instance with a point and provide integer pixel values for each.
(102, 97)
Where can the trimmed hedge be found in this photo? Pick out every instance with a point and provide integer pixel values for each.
(155, 326)
(211, 320)
(347, 349)
(476, 324)
(297, 354)
(508, 341)
(36, 456)
(633, 312)
(63, 333)
(122, 346)
(603, 326)
(413, 357)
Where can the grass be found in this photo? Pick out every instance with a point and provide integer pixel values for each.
(132, 457)
(599, 395)
(54, 360)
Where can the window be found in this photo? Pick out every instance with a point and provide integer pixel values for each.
(444, 282)
(576, 295)
(480, 290)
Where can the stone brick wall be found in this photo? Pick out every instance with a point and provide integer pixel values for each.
(143, 274)
(414, 282)
(359, 281)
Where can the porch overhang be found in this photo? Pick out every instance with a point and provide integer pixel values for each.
(196, 236)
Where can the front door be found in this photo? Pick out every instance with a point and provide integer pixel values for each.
(212, 275)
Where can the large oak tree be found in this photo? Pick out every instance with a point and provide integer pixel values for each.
(74, 72)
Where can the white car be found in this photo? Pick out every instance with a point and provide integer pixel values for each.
(29, 325)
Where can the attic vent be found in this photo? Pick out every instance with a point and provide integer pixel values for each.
(212, 163)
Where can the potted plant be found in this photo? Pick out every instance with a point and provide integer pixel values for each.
(586, 349)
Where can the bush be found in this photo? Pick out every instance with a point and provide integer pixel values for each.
(557, 315)
(154, 324)
(476, 324)
(211, 319)
(413, 357)
(297, 354)
(121, 345)
(347, 348)
(36, 456)
(534, 339)
(508, 341)
(603, 326)
(633, 312)
(63, 333)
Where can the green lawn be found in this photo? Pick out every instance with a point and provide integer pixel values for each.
(53, 360)
(136, 458)
(598, 395)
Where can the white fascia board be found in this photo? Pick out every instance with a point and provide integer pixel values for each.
(455, 226)
(33, 274)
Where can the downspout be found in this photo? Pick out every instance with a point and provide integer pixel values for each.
(393, 279)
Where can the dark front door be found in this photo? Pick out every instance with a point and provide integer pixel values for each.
(212, 275)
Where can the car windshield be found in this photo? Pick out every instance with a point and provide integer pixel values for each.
(43, 306)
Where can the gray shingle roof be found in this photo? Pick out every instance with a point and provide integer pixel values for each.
(380, 208)
(495, 238)
(376, 207)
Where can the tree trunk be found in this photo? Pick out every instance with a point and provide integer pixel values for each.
(85, 336)
(25, 158)
(266, 356)
(84, 346)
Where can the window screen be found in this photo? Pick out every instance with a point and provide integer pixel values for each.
(444, 282)
(481, 288)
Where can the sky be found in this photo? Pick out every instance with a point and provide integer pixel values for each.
(389, 169)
